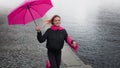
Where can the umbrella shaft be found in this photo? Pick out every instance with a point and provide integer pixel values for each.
(31, 15)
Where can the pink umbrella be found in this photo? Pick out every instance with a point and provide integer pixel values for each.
(29, 11)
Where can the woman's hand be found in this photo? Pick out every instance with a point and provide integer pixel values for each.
(74, 44)
(37, 28)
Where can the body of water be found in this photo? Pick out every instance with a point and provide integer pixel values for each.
(98, 38)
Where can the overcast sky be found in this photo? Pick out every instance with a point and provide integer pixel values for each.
(66, 7)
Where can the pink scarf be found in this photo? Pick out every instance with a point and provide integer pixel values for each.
(53, 27)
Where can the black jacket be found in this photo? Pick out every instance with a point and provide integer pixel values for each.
(55, 38)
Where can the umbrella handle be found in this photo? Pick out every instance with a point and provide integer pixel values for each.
(31, 15)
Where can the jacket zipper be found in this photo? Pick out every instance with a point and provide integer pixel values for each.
(58, 37)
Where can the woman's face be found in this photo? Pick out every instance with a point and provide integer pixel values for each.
(56, 21)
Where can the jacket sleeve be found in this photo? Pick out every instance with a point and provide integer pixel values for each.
(69, 41)
(41, 38)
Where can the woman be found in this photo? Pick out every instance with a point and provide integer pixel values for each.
(55, 36)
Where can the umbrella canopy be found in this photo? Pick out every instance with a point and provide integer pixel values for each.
(29, 11)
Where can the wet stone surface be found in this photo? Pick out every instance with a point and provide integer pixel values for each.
(19, 47)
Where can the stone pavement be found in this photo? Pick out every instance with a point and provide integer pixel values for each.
(19, 47)
(70, 59)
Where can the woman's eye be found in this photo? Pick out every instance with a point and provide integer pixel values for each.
(57, 20)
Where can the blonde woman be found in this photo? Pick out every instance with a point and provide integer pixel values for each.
(55, 36)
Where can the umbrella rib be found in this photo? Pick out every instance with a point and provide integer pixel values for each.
(18, 12)
(25, 15)
(40, 4)
(36, 11)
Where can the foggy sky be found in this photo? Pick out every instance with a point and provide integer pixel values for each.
(75, 8)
